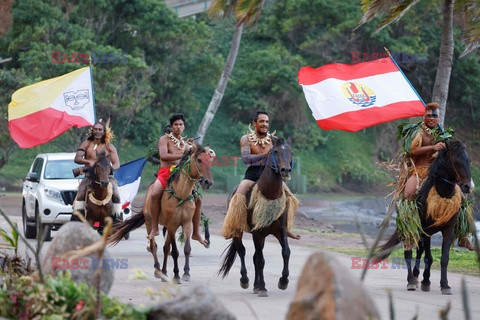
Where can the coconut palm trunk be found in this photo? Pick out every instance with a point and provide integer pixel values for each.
(222, 83)
(445, 61)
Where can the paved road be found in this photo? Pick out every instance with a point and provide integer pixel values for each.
(245, 305)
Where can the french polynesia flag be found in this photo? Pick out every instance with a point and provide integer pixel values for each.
(44, 110)
(128, 178)
(354, 97)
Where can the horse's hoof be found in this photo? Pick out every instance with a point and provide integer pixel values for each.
(412, 286)
(255, 290)
(186, 277)
(415, 280)
(244, 285)
(263, 293)
(176, 280)
(206, 243)
(282, 285)
(446, 291)
(425, 287)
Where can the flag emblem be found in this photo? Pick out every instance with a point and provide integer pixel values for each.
(359, 94)
(77, 100)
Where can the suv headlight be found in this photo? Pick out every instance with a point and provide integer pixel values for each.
(54, 194)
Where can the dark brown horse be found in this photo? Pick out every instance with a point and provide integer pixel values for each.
(98, 202)
(178, 207)
(438, 204)
(269, 187)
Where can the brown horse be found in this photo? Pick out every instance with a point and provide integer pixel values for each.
(266, 217)
(178, 207)
(98, 202)
(438, 204)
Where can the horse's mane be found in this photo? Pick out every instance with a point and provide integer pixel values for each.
(176, 173)
(439, 167)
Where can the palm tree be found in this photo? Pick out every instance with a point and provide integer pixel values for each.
(246, 12)
(469, 9)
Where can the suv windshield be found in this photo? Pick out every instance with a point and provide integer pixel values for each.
(60, 169)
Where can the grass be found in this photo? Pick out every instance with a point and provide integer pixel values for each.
(461, 261)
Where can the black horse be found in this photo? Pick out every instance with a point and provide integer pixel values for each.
(269, 187)
(438, 203)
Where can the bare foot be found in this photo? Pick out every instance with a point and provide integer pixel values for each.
(198, 237)
(466, 244)
(153, 234)
(293, 236)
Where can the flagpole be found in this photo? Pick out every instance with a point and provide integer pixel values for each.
(408, 81)
(93, 90)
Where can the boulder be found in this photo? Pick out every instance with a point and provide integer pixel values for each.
(199, 303)
(327, 291)
(74, 236)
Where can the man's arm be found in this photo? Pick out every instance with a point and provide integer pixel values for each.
(114, 157)
(80, 155)
(247, 157)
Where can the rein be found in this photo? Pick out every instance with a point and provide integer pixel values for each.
(185, 169)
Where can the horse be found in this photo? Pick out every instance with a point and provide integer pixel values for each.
(268, 189)
(98, 202)
(438, 204)
(177, 209)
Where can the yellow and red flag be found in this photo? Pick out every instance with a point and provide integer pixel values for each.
(44, 110)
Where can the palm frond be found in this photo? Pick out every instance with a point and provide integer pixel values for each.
(397, 13)
(378, 8)
(221, 8)
(248, 11)
(470, 9)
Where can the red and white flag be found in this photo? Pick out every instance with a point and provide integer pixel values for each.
(354, 97)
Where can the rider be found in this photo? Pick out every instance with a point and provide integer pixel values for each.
(98, 140)
(422, 142)
(171, 148)
(254, 148)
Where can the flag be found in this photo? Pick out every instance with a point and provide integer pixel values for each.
(44, 110)
(128, 180)
(354, 97)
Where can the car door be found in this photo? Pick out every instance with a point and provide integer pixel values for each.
(32, 186)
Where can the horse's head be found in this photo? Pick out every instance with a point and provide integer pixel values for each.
(100, 172)
(280, 159)
(201, 165)
(458, 164)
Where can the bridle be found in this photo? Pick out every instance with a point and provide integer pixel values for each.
(274, 161)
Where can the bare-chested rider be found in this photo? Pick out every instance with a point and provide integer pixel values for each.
(171, 148)
(98, 140)
(254, 148)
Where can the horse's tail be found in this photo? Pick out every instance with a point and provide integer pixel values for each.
(387, 248)
(230, 254)
(122, 228)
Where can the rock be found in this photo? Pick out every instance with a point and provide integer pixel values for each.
(199, 303)
(326, 291)
(73, 236)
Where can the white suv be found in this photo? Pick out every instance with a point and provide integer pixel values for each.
(48, 192)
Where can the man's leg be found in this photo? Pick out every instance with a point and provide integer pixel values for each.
(197, 216)
(117, 205)
(410, 188)
(236, 219)
(155, 198)
(79, 202)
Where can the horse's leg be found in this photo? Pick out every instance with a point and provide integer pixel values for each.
(428, 263)
(447, 236)
(166, 252)
(259, 262)
(156, 265)
(187, 249)
(418, 259)
(283, 240)
(243, 269)
(411, 285)
(175, 254)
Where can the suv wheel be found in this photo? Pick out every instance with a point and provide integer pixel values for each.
(44, 229)
(29, 227)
